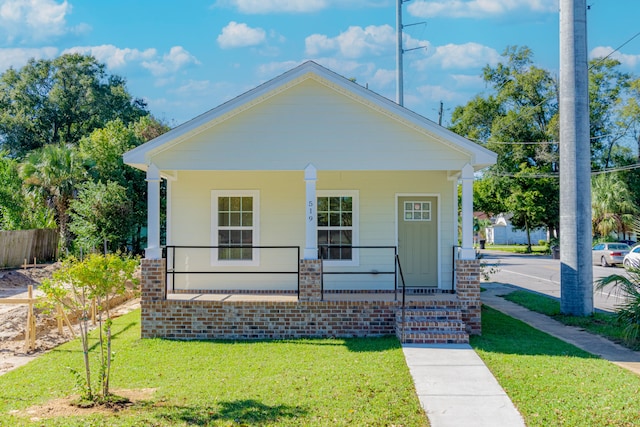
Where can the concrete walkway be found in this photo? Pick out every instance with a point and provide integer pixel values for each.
(456, 388)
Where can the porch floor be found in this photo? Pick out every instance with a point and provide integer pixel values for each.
(364, 297)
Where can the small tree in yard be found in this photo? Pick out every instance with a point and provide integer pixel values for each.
(75, 285)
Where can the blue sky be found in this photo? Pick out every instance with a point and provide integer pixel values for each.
(186, 57)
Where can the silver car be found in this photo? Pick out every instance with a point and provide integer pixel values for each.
(632, 259)
(609, 253)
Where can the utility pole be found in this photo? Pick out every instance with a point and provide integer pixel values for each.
(576, 271)
(440, 112)
(399, 52)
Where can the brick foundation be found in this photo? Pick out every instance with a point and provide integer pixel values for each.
(202, 319)
(310, 280)
(468, 292)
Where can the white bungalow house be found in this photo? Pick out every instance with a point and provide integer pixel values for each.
(502, 232)
(308, 166)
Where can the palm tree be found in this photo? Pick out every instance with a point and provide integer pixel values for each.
(612, 206)
(53, 172)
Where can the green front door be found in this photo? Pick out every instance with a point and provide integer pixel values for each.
(418, 240)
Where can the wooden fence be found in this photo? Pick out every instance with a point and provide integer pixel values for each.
(18, 245)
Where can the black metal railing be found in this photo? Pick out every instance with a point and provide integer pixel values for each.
(321, 251)
(172, 271)
(404, 293)
(454, 267)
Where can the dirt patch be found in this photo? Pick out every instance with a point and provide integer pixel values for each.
(65, 407)
(13, 318)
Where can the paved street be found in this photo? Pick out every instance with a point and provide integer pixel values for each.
(542, 274)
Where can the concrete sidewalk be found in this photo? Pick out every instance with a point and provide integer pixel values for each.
(456, 388)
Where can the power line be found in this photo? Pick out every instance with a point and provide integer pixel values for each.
(593, 138)
(557, 175)
(615, 50)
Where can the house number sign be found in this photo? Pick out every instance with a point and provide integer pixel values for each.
(311, 211)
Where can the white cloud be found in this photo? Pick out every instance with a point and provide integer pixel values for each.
(35, 20)
(240, 35)
(625, 59)
(478, 8)
(383, 78)
(113, 56)
(273, 69)
(191, 87)
(355, 42)
(177, 58)
(17, 57)
(275, 6)
(460, 56)
(296, 6)
(467, 81)
(437, 93)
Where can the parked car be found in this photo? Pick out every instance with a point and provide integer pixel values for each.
(632, 259)
(609, 253)
(628, 242)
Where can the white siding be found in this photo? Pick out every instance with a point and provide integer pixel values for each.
(282, 220)
(309, 123)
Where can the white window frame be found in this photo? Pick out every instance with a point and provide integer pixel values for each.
(355, 228)
(255, 255)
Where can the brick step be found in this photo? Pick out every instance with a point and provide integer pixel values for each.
(436, 337)
(432, 325)
(434, 313)
(429, 315)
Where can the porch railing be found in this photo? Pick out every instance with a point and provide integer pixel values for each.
(172, 271)
(352, 271)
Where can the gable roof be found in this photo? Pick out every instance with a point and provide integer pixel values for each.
(140, 157)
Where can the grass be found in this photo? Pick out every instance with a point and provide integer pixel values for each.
(519, 249)
(553, 383)
(604, 324)
(337, 382)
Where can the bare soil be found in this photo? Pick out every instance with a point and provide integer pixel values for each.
(13, 318)
(66, 406)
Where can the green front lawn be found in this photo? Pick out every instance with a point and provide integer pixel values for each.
(519, 249)
(605, 324)
(332, 382)
(553, 383)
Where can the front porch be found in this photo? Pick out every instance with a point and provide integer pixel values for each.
(413, 317)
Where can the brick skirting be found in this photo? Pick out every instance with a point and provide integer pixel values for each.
(468, 292)
(187, 319)
(266, 320)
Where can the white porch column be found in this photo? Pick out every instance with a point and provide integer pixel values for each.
(311, 238)
(467, 251)
(153, 250)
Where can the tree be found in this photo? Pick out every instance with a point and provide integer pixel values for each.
(612, 206)
(60, 101)
(517, 121)
(53, 172)
(75, 286)
(20, 210)
(608, 86)
(99, 215)
(12, 203)
(102, 152)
